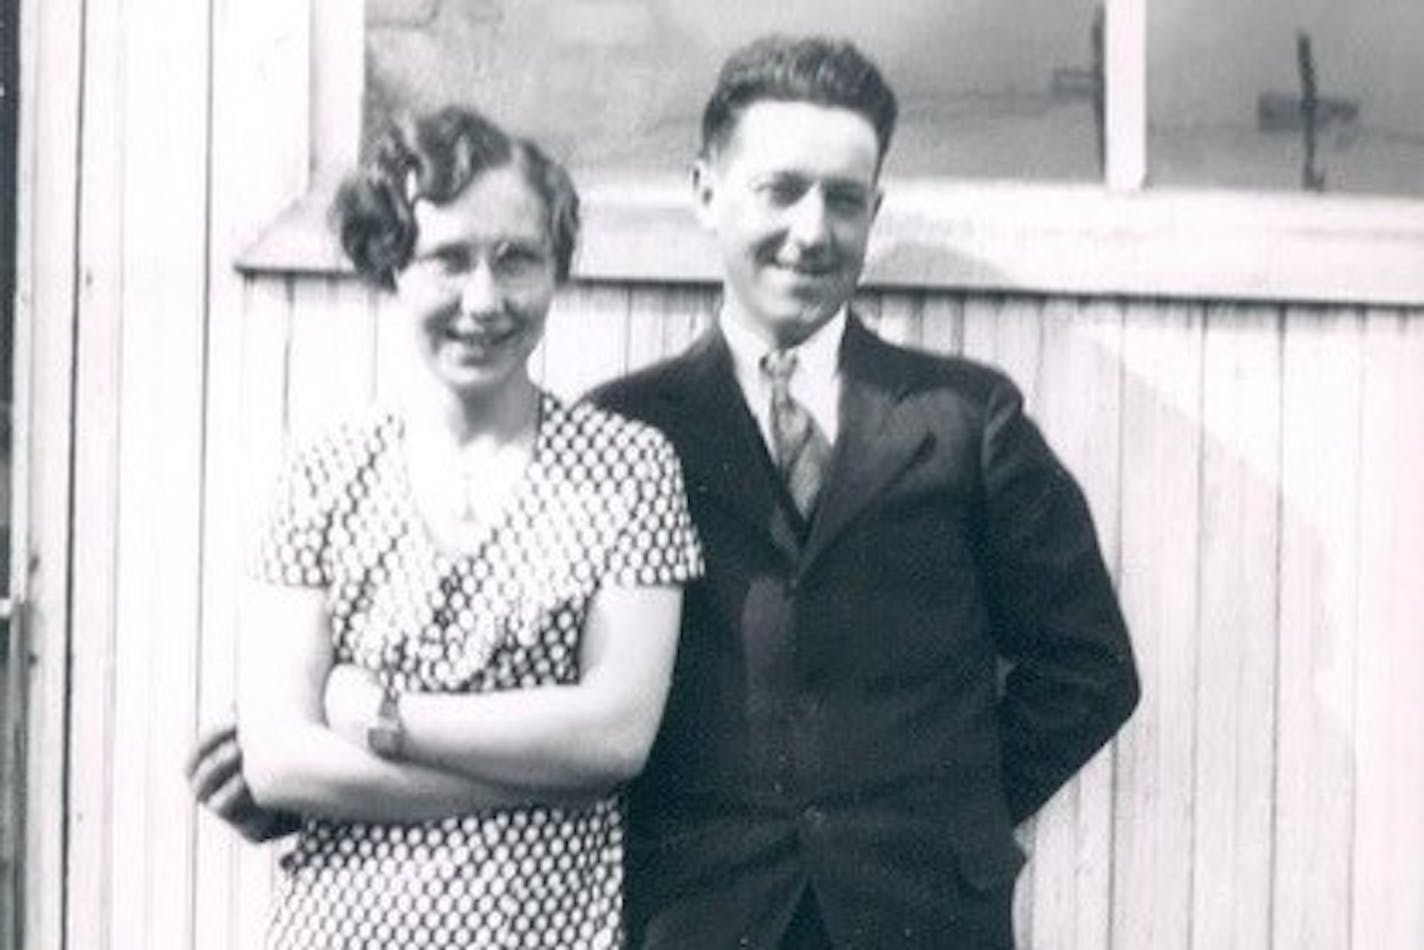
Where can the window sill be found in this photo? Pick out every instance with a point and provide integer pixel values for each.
(1004, 237)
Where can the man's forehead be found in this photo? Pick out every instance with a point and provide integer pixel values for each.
(771, 133)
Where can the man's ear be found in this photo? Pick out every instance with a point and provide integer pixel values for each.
(704, 190)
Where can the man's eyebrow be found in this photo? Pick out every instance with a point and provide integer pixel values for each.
(443, 249)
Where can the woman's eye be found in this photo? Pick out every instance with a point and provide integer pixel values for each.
(452, 261)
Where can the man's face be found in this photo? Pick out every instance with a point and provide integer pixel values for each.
(790, 198)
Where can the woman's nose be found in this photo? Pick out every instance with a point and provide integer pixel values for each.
(479, 291)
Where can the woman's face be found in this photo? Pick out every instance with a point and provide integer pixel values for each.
(480, 281)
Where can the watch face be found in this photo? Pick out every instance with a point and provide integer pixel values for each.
(384, 738)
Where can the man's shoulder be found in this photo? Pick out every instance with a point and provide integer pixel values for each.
(946, 375)
(646, 393)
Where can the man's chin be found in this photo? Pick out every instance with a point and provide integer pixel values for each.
(797, 323)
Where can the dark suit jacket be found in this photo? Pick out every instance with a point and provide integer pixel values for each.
(838, 717)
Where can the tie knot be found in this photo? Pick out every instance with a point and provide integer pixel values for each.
(778, 365)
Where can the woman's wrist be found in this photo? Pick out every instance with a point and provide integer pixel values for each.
(352, 702)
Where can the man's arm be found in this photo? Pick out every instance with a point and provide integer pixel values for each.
(214, 771)
(1072, 681)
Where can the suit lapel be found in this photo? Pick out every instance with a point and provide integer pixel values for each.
(724, 455)
(880, 434)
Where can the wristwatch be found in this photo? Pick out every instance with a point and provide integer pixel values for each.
(386, 735)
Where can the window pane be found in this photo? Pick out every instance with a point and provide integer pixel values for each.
(1229, 99)
(986, 88)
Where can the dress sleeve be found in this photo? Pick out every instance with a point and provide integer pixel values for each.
(658, 544)
(291, 548)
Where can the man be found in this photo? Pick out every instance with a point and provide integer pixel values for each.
(838, 764)
(841, 761)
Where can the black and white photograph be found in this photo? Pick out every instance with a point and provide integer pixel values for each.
(686, 475)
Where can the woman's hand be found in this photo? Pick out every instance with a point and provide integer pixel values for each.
(351, 700)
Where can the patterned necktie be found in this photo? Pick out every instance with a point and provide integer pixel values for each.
(799, 446)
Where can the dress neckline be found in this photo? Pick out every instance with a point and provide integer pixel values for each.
(471, 542)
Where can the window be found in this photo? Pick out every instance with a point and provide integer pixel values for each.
(1153, 147)
(1003, 90)
(1309, 95)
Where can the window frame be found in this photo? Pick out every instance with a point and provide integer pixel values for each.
(1118, 237)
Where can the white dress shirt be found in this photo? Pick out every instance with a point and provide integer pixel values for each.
(816, 383)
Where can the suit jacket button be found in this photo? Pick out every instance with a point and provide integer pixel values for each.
(814, 816)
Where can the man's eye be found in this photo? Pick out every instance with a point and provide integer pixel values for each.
(851, 201)
(782, 191)
(519, 259)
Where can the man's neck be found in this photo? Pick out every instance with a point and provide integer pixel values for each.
(778, 336)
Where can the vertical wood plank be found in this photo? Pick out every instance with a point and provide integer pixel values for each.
(266, 333)
(687, 312)
(980, 337)
(332, 373)
(663, 321)
(395, 360)
(98, 329)
(259, 95)
(647, 313)
(1235, 710)
(266, 357)
(1388, 875)
(1319, 578)
(338, 80)
(1019, 345)
(165, 85)
(1160, 526)
(900, 318)
(942, 323)
(48, 175)
(1080, 412)
(1125, 92)
(586, 339)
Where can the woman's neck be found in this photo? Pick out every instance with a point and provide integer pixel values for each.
(501, 415)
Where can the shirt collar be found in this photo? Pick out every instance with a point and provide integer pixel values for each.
(818, 356)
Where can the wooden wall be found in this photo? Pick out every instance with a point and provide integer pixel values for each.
(1253, 470)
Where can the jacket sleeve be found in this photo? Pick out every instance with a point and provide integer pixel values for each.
(1071, 681)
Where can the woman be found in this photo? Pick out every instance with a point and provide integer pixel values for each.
(466, 614)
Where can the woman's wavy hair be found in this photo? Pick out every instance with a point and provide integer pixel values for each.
(434, 157)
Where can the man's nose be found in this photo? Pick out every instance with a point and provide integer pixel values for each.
(809, 225)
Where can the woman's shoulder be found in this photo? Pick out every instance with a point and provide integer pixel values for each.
(606, 430)
(339, 449)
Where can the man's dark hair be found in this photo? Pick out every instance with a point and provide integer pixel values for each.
(434, 157)
(813, 69)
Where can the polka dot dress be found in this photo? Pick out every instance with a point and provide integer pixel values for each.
(601, 503)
